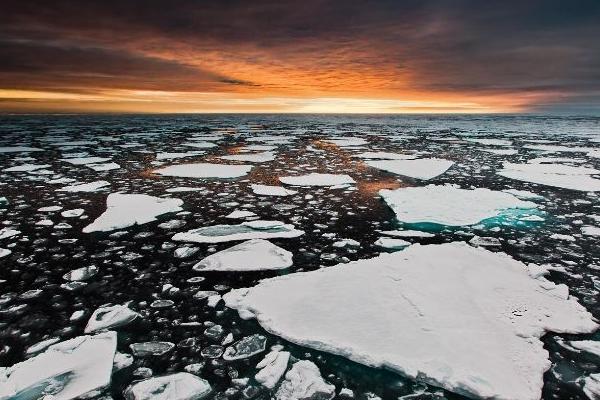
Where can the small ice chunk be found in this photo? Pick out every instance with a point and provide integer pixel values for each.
(110, 317)
(124, 210)
(383, 155)
(204, 170)
(245, 348)
(18, 149)
(591, 386)
(391, 243)
(85, 187)
(74, 213)
(252, 157)
(26, 167)
(240, 214)
(178, 386)
(304, 381)
(85, 160)
(408, 233)
(316, 179)
(265, 190)
(272, 368)
(149, 349)
(81, 274)
(251, 255)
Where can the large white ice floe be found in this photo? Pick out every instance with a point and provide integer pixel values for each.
(429, 313)
(258, 229)
(251, 255)
(110, 317)
(447, 205)
(422, 168)
(65, 371)
(178, 386)
(124, 210)
(204, 170)
(267, 190)
(316, 179)
(304, 381)
(557, 175)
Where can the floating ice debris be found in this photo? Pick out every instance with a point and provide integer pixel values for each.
(316, 179)
(244, 231)
(557, 175)
(178, 386)
(149, 349)
(81, 274)
(170, 156)
(392, 311)
(240, 214)
(346, 243)
(104, 167)
(110, 317)
(272, 368)
(265, 190)
(591, 386)
(85, 160)
(485, 241)
(384, 155)
(183, 189)
(8, 232)
(252, 255)
(74, 213)
(558, 149)
(50, 208)
(4, 252)
(304, 381)
(501, 152)
(408, 233)
(185, 251)
(200, 145)
(589, 346)
(85, 187)
(524, 194)
(245, 348)
(18, 149)
(26, 167)
(491, 142)
(391, 243)
(41, 346)
(251, 157)
(347, 141)
(66, 370)
(447, 205)
(590, 230)
(422, 168)
(204, 170)
(124, 210)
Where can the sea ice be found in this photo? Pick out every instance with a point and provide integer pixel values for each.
(18, 149)
(303, 381)
(384, 155)
(422, 168)
(26, 167)
(124, 210)
(244, 231)
(557, 175)
(178, 386)
(251, 157)
(66, 370)
(110, 317)
(391, 243)
(591, 386)
(316, 179)
(245, 348)
(85, 160)
(429, 313)
(251, 255)
(347, 141)
(85, 187)
(447, 205)
(266, 190)
(204, 170)
(272, 368)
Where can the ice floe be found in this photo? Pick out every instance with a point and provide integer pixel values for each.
(251, 157)
(66, 370)
(317, 179)
(267, 190)
(204, 170)
(251, 255)
(557, 175)
(422, 168)
(124, 210)
(85, 187)
(18, 149)
(246, 230)
(448, 205)
(272, 368)
(110, 317)
(178, 386)
(429, 313)
(304, 381)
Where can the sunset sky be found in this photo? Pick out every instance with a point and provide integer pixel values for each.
(540, 56)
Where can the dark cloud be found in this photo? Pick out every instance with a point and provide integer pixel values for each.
(471, 46)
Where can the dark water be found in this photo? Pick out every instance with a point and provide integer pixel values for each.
(134, 266)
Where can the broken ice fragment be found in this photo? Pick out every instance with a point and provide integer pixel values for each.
(110, 317)
(316, 179)
(243, 231)
(205, 170)
(245, 348)
(179, 386)
(124, 210)
(422, 168)
(251, 255)
(148, 349)
(265, 190)
(304, 381)
(272, 368)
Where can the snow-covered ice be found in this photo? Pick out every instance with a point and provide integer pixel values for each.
(317, 179)
(204, 170)
(251, 255)
(110, 317)
(258, 229)
(429, 313)
(304, 381)
(557, 175)
(421, 168)
(266, 190)
(178, 386)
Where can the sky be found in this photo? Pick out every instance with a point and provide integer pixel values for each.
(301, 56)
